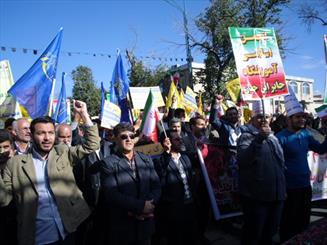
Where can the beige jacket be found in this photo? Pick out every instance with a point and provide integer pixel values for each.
(19, 183)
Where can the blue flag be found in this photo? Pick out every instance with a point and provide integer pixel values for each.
(119, 89)
(61, 115)
(103, 98)
(33, 89)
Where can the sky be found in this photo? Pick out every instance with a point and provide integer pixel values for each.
(94, 30)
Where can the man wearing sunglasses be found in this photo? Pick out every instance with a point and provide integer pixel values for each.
(131, 188)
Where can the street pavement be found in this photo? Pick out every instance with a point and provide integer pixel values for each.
(228, 231)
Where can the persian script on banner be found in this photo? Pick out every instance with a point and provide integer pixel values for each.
(258, 62)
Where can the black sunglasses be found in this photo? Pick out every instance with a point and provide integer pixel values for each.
(125, 136)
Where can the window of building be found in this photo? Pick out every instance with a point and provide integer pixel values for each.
(293, 86)
(305, 89)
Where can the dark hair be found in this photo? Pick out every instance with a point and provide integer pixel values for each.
(174, 120)
(124, 126)
(45, 119)
(97, 121)
(9, 122)
(179, 112)
(5, 136)
(169, 134)
(194, 119)
(279, 123)
(231, 108)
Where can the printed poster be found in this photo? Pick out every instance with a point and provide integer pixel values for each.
(140, 94)
(258, 62)
(111, 115)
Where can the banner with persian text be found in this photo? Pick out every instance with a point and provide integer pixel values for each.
(258, 62)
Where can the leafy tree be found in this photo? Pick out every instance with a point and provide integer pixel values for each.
(214, 23)
(85, 89)
(140, 75)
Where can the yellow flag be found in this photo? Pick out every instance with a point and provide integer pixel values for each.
(234, 89)
(24, 112)
(180, 100)
(246, 114)
(172, 92)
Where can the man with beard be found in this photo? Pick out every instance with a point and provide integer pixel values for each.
(175, 213)
(296, 141)
(175, 125)
(41, 183)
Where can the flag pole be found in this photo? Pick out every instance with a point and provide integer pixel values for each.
(263, 107)
(51, 98)
(163, 128)
(130, 103)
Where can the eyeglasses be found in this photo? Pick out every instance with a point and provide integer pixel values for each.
(125, 136)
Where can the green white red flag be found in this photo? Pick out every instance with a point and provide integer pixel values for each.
(150, 119)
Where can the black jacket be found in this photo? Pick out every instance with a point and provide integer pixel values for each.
(125, 196)
(261, 166)
(87, 173)
(171, 182)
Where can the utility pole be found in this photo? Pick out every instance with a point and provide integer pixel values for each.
(189, 57)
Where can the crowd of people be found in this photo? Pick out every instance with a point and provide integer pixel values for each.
(83, 184)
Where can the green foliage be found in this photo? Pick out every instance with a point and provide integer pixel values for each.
(85, 89)
(142, 76)
(214, 23)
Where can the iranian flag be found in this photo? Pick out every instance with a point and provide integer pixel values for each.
(150, 118)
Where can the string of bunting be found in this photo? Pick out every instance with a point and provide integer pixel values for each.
(70, 53)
